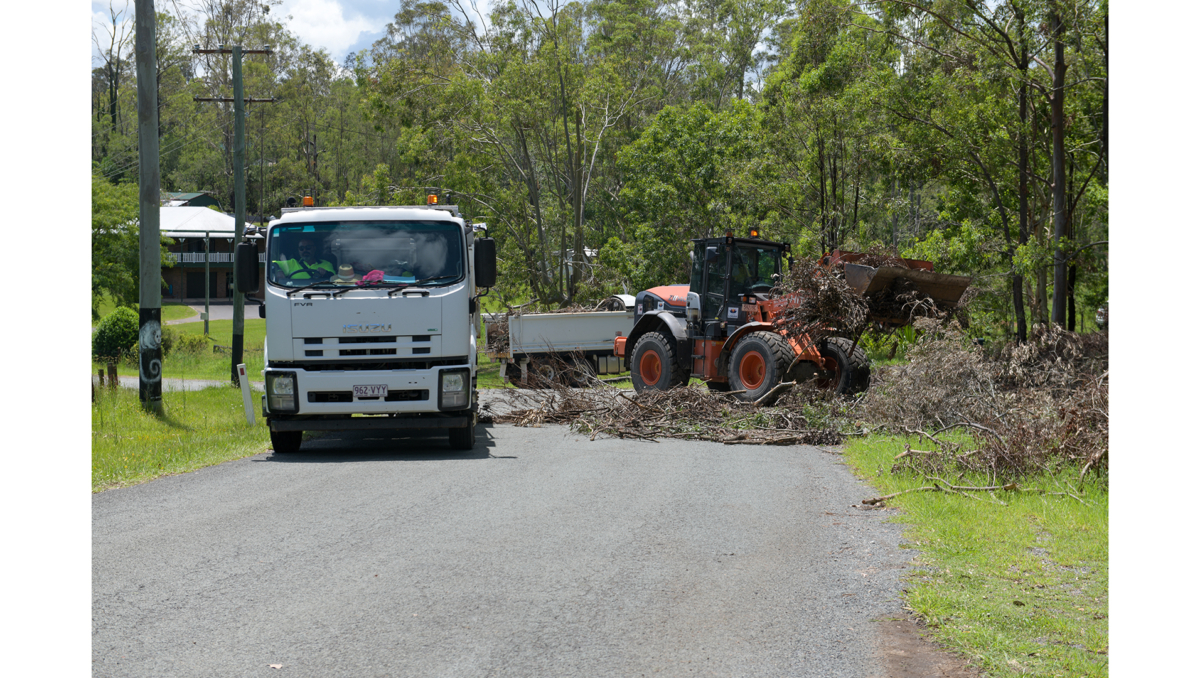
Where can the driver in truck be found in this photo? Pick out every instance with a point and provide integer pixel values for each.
(306, 266)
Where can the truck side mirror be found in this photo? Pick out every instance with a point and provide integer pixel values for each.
(485, 262)
(245, 266)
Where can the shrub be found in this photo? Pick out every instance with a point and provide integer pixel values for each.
(192, 344)
(170, 337)
(117, 331)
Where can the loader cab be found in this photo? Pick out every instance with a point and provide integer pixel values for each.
(730, 274)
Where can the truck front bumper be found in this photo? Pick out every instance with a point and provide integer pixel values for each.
(457, 420)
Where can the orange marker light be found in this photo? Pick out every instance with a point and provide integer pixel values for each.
(431, 199)
(308, 201)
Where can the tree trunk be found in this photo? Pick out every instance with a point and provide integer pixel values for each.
(1059, 187)
(1022, 182)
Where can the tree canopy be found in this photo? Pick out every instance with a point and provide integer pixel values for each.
(597, 137)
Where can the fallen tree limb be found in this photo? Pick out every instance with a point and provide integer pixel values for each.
(957, 489)
(770, 395)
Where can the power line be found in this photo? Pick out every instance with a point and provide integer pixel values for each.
(176, 146)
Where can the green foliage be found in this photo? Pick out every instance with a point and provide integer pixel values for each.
(115, 334)
(190, 344)
(115, 243)
(597, 137)
(681, 187)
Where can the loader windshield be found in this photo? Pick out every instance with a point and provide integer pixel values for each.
(754, 269)
(363, 253)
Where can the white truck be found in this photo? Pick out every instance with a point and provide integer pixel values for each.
(382, 335)
(541, 346)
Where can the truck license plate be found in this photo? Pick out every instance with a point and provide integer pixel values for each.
(371, 391)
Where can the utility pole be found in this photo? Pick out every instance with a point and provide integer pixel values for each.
(149, 257)
(239, 183)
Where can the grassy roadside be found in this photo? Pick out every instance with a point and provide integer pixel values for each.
(209, 365)
(1019, 589)
(197, 429)
(169, 311)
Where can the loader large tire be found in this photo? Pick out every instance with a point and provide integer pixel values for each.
(853, 372)
(653, 367)
(757, 364)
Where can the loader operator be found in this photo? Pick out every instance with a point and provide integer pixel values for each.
(306, 266)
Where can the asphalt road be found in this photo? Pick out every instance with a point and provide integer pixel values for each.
(539, 554)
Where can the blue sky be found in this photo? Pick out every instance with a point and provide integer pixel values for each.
(339, 26)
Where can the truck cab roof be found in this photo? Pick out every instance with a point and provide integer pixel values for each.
(408, 212)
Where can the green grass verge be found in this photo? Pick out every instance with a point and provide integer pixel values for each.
(177, 312)
(196, 429)
(1020, 589)
(169, 311)
(208, 364)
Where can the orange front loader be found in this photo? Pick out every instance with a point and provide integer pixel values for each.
(724, 326)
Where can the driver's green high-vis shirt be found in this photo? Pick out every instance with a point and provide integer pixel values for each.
(298, 270)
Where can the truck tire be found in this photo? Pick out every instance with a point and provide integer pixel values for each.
(286, 442)
(652, 366)
(542, 374)
(462, 438)
(853, 373)
(757, 363)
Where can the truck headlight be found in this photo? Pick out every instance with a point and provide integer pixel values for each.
(281, 391)
(453, 393)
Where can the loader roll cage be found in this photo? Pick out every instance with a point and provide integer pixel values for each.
(726, 271)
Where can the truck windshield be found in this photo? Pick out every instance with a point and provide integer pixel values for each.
(361, 253)
(753, 269)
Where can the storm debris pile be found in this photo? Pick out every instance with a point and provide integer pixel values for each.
(822, 304)
(687, 412)
(496, 332)
(1034, 407)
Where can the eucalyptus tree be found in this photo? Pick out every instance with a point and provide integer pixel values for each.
(828, 136)
(521, 117)
(997, 74)
(684, 182)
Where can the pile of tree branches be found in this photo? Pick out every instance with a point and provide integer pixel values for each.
(821, 303)
(687, 412)
(1030, 408)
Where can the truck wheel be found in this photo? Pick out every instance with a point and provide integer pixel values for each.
(852, 373)
(757, 363)
(286, 442)
(462, 438)
(652, 365)
(541, 374)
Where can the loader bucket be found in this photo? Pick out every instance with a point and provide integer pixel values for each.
(943, 287)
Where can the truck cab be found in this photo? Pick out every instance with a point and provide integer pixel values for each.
(372, 315)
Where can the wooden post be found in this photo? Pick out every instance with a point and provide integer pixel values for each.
(100, 374)
(112, 375)
(150, 268)
(239, 207)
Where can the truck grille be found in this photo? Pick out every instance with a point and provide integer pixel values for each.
(367, 351)
(395, 364)
(348, 396)
(366, 340)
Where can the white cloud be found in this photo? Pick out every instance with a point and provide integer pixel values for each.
(324, 23)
